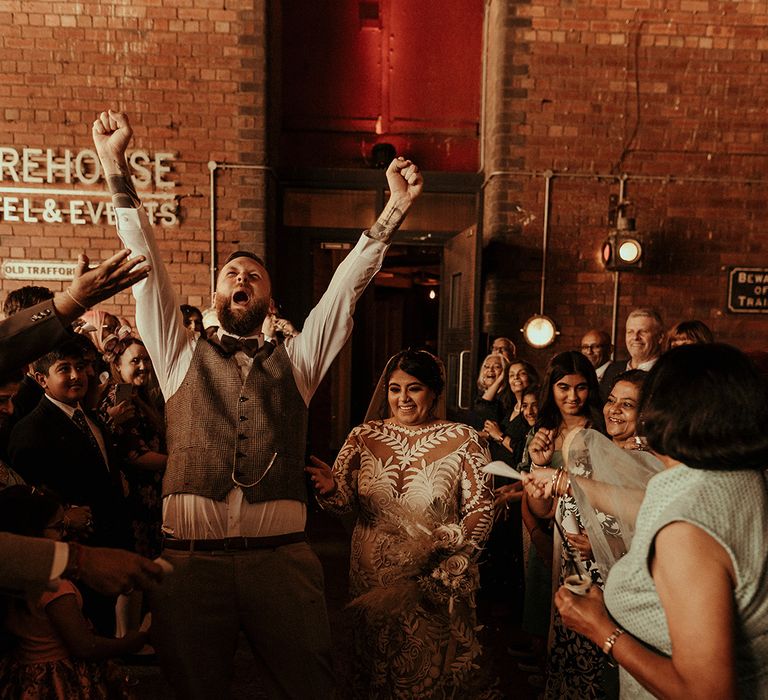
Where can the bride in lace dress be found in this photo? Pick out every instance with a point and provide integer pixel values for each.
(424, 510)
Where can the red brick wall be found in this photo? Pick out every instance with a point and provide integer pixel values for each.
(675, 95)
(190, 73)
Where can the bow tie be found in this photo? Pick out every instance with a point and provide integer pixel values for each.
(231, 345)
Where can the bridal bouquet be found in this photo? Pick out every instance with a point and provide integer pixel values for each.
(427, 558)
(451, 576)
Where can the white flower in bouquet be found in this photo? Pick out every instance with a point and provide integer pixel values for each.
(455, 565)
(449, 537)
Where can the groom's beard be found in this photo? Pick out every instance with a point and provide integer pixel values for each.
(242, 323)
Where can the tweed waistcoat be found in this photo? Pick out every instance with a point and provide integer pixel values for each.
(218, 425)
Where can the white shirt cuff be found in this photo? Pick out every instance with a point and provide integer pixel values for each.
(60, 560)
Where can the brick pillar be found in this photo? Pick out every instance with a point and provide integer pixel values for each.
(244, 195)
(510, 291)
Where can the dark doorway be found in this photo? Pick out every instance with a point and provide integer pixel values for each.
(399, 309)
(323, 214)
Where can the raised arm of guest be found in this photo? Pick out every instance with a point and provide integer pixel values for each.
(158, 317)
(31, 332)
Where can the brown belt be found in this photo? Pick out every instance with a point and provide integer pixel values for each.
(234, 544)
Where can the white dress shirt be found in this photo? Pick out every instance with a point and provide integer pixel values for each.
(600, 371)
(645, 366)
(171, 345)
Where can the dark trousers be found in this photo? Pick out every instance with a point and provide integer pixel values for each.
(275, 596)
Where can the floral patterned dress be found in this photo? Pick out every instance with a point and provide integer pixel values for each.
(424, 510)
(145, 498)
(41, 666)
(576, 668)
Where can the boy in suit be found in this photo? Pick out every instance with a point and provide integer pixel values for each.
(60, 447)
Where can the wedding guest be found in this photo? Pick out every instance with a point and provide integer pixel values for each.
(502, 565)
(504, 346)
(621, 408)
(493, 399)
(29, 393)
(57, 654)
(192, 318)
(510, 431)
(537, 554)
(685, 612)
(102, 328)
(424, 509)
(644, 335)
(688, 333)
(75, 460)
(570, 400)
(27, 563)
(137, 425)
(24, 297)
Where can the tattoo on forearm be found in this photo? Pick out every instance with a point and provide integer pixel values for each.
(386, 225)
(123, 192)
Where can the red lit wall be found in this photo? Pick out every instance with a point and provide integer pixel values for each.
(357, 73)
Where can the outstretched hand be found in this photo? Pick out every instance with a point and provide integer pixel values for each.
(112, 133)
(405, 181)
(91, 285)
(585, 614)
(322, 476)
(113, 571)
(538, 482)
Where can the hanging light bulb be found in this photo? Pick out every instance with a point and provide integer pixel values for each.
(539, 331)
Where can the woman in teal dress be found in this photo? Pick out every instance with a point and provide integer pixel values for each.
(685, 612)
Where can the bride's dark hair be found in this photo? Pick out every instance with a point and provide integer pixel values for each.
(420, 364)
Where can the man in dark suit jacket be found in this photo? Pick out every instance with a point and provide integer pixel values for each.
(596, 347)
(59, 447)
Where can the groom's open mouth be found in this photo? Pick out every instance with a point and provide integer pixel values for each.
(240, 297)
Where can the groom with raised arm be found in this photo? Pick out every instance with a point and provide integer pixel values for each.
(234, 496)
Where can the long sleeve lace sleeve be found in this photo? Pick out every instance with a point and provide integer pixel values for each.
(345, 471)
(476, 503)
